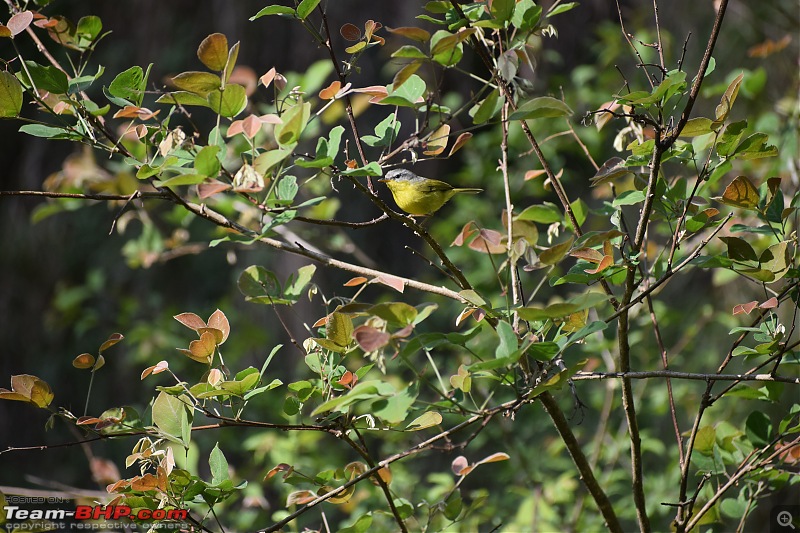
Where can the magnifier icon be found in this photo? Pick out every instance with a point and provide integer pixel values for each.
(785, 519)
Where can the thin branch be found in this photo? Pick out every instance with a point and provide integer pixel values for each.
(671, 374)
(89, 196)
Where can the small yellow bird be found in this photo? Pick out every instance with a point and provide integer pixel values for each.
(420, 196)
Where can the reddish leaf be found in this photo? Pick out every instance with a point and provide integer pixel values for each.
(144, 483)
(300, 497)
(403, 333)
(587, 254)
(251, 126)
(206, 190)
(236, 127)
(219, 321)
(460, 142)
(83, 361)
(606, 262)
(350, 32)
(155, 369)
(469, 229)
(391, 281)
(19, 22)
(489, 241)
(348, 379)
(321, 322)
(465, 314)
(190, 320)
(283, 467)
(87, 420)
(744, 308)
(533, 174)
(267, 78)
(113, 339)
(769, 304)
(460, 464)
(371, 339)
(354, 282)
(329, 92)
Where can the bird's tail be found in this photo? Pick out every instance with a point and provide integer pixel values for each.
(469, 190)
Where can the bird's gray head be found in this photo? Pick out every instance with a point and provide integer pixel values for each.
(401, 174)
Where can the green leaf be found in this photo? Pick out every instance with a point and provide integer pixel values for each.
(229, 102)
(739, 249)
(306, 7)
(129, 85)
(339, 328)
(218, 465)
(10, 95)
(274, 10)
(89, 27)
(49, 132)
(758, 429)
(265, 161)
(629, 198)
(555, 253)
(395, 313)
(526, 15)
(705, 440)
(542, 107)
(409, 52)
(544, 213)
(366, 390)
(200, 83)
(48, 79)
(409, 94)
(586, 300)
(170, 416)
(294, 122)
(509, 343)
(543, 351)
(426, 420)
(295, 285)
(372, 169)
(446, 48)
(487, 108)
(183, 98)
(696, 126)
(562, 8)
(207, 161)
(287, 189)
(755, 147)
(181, 179)
(502, 10)
(394, 409)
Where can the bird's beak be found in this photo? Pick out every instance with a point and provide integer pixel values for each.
(383, 179)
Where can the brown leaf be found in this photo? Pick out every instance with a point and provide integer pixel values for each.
(83, 361)
(113, 339)
(488, 241)
(213, 51)
(202, 350)
(601, 119)
(413, 33)
(353, 282)
(769, 304)
(283, 467)
(765, 49)
(144, 483)
(438, 140)
(587, 254)
(158, 368)
(190, 320)
(469, 229)
(533, 174)
(219, 321)
(299, 497)
(460, 142)
(348, 380)
(744, 308)
(206, 190)
(391, 281)
(606, 262)
(740, 193)
(329, 92)
(371, 339)
(350, 32)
